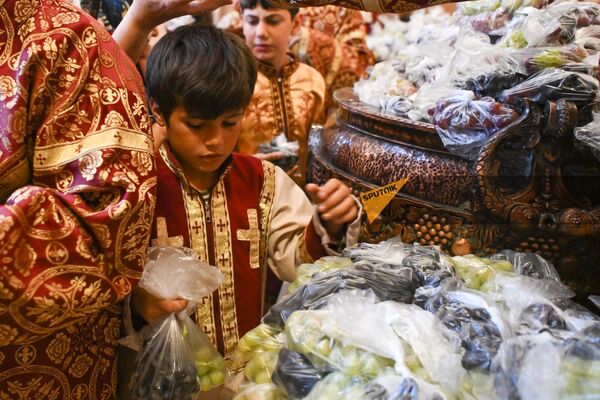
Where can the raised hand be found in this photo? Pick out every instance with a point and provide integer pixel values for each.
(335, 205)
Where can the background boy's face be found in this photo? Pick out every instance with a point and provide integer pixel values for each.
(268, 33)
(202, 146)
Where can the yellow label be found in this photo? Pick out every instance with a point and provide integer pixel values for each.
(374, 201)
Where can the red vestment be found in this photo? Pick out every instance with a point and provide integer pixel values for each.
(243, 226)
(77, 184)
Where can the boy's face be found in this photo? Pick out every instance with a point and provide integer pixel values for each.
(268, 33)
(202, 146)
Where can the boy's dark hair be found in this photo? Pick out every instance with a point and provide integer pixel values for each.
(250, 4)
(205, 69)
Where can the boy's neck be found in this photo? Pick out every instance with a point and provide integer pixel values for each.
(204, 181)
(278, 66)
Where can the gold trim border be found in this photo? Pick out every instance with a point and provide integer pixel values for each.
(224, 261)
(51, 157)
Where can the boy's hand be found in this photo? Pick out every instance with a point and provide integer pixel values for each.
(274, 156)
(144, 15)
(151, 13)
(334, 204)
(151, 308)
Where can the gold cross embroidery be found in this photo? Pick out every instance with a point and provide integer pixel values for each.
(162, 235)
(253, 236)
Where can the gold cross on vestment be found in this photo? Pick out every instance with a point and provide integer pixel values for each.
(253, 236)
(162, 235)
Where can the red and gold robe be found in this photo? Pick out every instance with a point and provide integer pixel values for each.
(333, 41)
(287, 101)
(254, 219)
(77, 190)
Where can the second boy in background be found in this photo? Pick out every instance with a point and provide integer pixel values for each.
(288, 97)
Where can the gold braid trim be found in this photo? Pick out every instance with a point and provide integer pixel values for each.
(267, 196)
(224, 261)
(55, 156)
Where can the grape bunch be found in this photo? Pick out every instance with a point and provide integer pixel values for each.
(210, 368)
(477, 271)
(492, 85)
(263, 338)
(164, 377)
(463, 116)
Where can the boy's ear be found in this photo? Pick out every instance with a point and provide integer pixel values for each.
(157, 114)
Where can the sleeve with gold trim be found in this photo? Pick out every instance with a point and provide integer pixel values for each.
(296, 234)
(76, 170)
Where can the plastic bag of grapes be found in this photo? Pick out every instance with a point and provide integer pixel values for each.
(177, 359)
(465, 123)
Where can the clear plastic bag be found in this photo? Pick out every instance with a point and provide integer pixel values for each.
(177, 359)
(554, 84)
(479, 324)
(465, 124)
(296, 374)
(306, 272)
(258, 349)
(264, 391)
(263, 338)
(288, 149)
(528, 264)
(590, 135)
(386, 281)
(537, 59)
(542, 366)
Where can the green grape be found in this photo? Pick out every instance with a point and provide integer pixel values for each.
(216, 377)
(205, 383)
(262, 377)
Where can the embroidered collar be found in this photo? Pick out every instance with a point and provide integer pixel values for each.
(286, 71)
(169, 158)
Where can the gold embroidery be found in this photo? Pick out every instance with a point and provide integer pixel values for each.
(119, 210)
(24, 9)
(42, 382)
(89, 164)
(253, 236)
(57, 253)
(267, 196)
(50, 157)
(8, 87)
(162, 235)
(58, 348)
(131, 240)
(25, 256)
(7, 334)
(67, 223)
(25, 355)
(64, 180)
(205, 316)
(81, 365)
(81, 297)
(79, 392)
(224, 261)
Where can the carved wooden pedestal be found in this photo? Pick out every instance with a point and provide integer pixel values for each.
(533, 188)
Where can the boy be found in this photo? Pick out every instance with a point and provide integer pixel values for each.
(241, 214)
(288, 96)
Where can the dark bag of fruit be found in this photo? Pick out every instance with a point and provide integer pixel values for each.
(477, 323)
(295, 374)
(465, 124)
(177, 360)
(554, 84)
(387, 282)
(589, 135)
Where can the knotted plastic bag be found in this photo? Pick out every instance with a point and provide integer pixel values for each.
(177, 359)
(465, 124)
